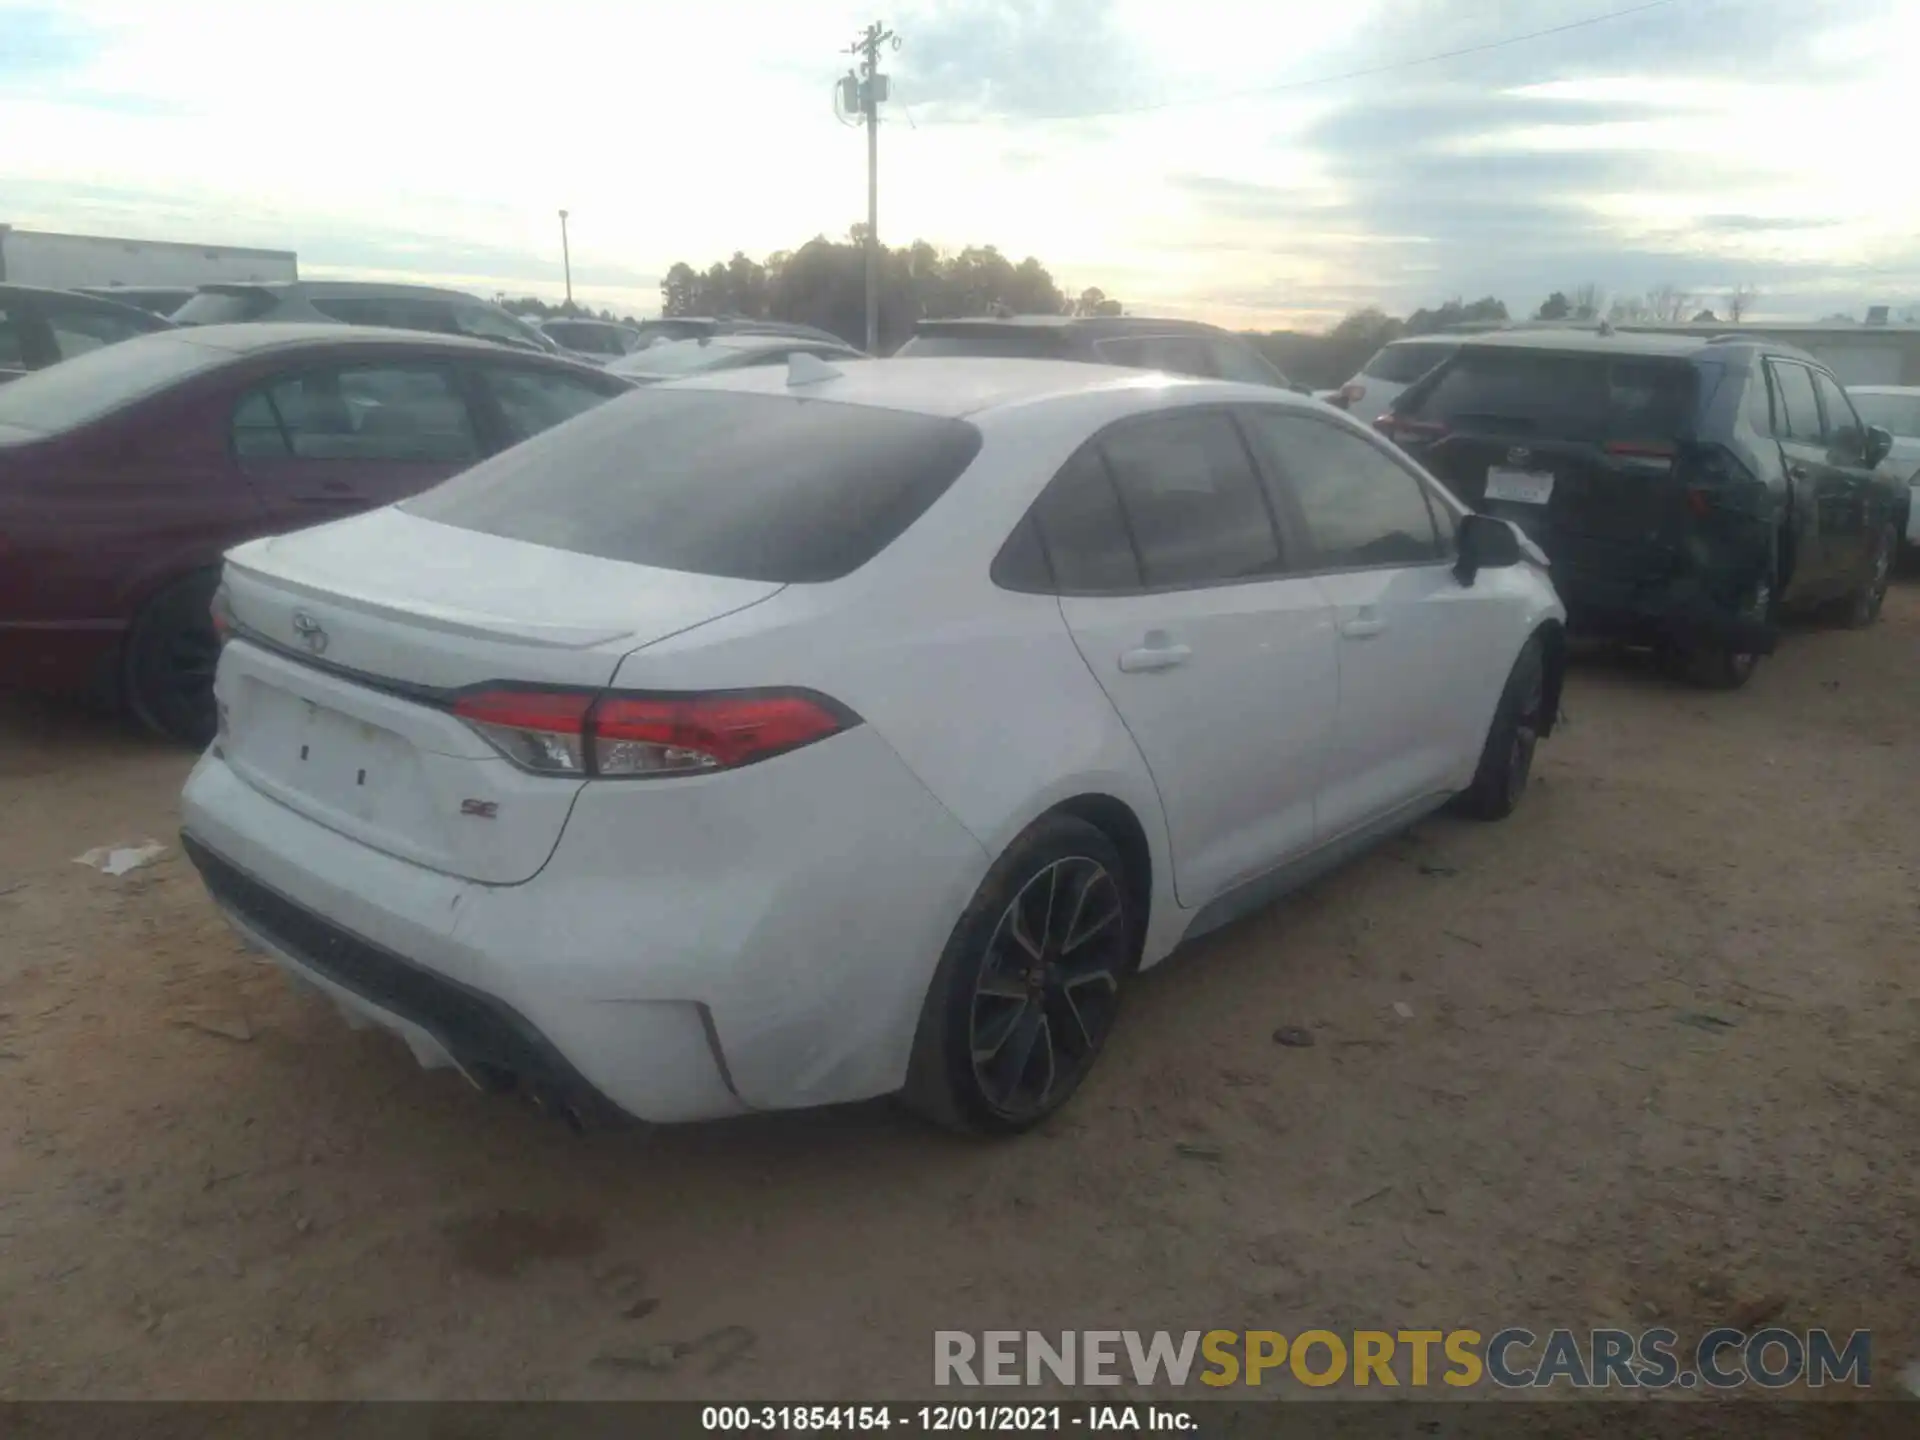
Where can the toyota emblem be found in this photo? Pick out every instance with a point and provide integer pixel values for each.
(312, 634)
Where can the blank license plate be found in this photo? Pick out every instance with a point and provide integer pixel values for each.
(1529, 487)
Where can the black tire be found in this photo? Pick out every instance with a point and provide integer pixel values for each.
(169, 661)
(1506, 760)
(1716, 667)
(1011, 1025)
(1863, 605)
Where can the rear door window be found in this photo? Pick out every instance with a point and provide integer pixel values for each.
(1402, 364)
(1234, 360)
(534, 400)
(367, 412)
(1797, 413)
(1175, 354)
(1361, 507)
(1564, 396)
(1192, 501)
(75, 332)
(754, 487)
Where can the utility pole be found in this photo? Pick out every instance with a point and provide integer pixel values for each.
(868, 87)
(566, 259)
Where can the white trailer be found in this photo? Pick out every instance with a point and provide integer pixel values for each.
(68, 262)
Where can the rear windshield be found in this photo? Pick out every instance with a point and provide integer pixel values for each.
(1898, 414)
(1568, 396)
(101, 381)
(1404, 364)
(216, 307)
(991, 344)
(755, 487)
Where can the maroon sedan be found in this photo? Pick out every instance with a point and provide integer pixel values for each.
(127, 472)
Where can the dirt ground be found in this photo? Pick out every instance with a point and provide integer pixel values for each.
(1660, 1065)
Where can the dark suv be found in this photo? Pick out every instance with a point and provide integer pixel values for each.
(1181, 347)
(1686, 490)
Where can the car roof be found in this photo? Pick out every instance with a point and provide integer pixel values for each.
(1913, 390)
(1094, 324)
(957, 386)
(78, 299)
(751, 340)
(341, 288)
(1638, 344)
(247, 339)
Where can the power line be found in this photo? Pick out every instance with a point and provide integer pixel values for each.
(1360, 74)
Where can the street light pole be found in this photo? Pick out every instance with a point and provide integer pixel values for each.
(566, 258)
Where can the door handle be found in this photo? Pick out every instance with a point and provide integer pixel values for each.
(1363, 627)
(1159, 652)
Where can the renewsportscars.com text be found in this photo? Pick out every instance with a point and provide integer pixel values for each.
(1512, 1358)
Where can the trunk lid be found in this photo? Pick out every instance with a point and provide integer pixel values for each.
(1579, 448)
(351, 639)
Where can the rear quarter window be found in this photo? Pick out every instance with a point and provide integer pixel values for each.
(753, 487)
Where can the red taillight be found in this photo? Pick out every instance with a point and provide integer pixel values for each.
(539, 730)
(1642, 449)
(1700, 502)
(566, 732)
(221, 611)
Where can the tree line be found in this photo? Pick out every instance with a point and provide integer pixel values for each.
(823, 284)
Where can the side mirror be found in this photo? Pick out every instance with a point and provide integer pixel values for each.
(1879, 445)
(1486, 543)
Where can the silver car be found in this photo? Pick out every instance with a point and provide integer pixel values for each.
(1896, 409)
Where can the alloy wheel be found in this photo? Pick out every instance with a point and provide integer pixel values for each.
(1048, 987)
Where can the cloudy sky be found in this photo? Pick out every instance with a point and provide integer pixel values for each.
(1225, 161)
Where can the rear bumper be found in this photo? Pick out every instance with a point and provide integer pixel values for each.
(693, 949)
(1649, 593)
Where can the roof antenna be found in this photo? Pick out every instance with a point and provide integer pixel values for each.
(805, 369)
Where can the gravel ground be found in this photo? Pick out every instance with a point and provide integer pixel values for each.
(1646, 1051)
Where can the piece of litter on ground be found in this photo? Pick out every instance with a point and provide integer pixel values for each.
(225, 1026)
(16, 885)
(119, 859)
(1403, 1010)
(1700, 1020)
(1371, 1195)
(1293, 1036)
(1910, 1378)
(1198, 1152)
(1426, 1202)
(1463, 939)
(1426, 869)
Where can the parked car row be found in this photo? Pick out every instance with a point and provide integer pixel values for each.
(645, 741)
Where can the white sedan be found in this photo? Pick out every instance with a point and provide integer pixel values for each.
(795, 736)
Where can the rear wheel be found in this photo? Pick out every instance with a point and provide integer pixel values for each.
(1506, 761)
(171, 653)
(1029, 985)
(1863, 605)
(1720, 667)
